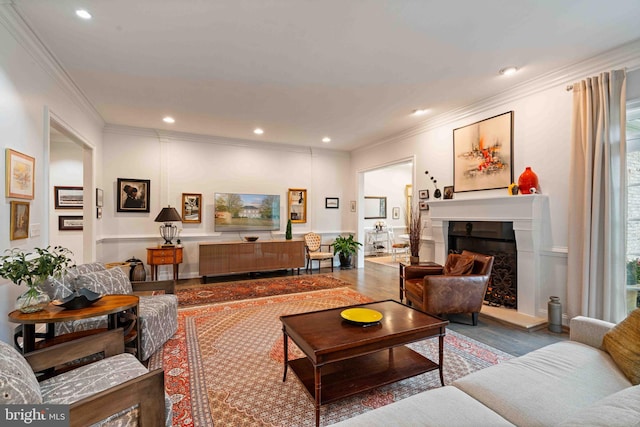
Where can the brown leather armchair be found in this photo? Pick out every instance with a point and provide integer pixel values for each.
(429, 290)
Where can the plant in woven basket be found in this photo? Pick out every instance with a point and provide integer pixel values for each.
(32, 269)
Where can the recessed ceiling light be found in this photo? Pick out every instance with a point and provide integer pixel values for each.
(326, 139)
(508, 71)
(169, 120)
(419, 112)
(83, 14)
(258, 131)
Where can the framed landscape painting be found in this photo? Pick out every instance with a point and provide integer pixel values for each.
(68, 197)
(191, 207)
(19, 228)
(483, 154)
(20, 175)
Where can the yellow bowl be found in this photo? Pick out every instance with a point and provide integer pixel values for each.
(361, 315)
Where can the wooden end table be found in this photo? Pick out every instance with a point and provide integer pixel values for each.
(164, 256)
(109, 305)
(343, 359)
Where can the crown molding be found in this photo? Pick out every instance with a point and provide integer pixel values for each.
(626, 56)
(27, 37)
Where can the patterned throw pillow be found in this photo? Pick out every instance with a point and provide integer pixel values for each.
(112, 281)
(458, 265)
(622, 343)
(18, 383)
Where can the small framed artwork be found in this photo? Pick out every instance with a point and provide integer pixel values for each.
(191, 207)
(448, 192)
(99, 212)
(353, 205)
(19, 228)
(99, 197)
(395, 213)
(20, 175)
(423, 194)
(70, 222)
(483, 154)
(297, 205)
(331, 203)
(133, 195)
(424, 206)
(68, 197)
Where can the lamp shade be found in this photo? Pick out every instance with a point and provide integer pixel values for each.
(168, 214)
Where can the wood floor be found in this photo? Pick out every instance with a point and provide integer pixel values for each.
(380, 282)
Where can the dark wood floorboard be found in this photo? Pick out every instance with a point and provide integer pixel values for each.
(380, 282)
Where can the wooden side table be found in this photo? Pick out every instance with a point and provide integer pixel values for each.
(110, 305)
(164, 256)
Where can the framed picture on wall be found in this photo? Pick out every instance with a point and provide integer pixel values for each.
(483, 154)
(20, 175)
(297, 205)
(70, 222)
(395, 213)
(99, 197)
(424, 206)
(68, 197)
(331, 203)
(448, 192)
(19, 217)
(423, 194)
(191, 207)
(353, 205)
(133, 195)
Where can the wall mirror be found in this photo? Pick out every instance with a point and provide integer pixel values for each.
(375, 207)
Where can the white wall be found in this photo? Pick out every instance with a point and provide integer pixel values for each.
(180, 163)
(31, 85)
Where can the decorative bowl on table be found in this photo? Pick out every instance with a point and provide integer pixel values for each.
(361, 316)
(250, 238)
(80, 298)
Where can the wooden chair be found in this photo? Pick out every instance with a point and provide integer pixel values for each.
(313, 247)
(398, 247)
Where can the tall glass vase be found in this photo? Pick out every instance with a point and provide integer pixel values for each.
(35, 299)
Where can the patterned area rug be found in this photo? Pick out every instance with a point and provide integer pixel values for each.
(245, 289)
(225, 364)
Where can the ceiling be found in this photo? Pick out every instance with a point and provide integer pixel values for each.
(352, 70)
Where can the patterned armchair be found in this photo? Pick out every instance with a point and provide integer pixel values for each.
(157, 314)
(313, 247)
(115, 390)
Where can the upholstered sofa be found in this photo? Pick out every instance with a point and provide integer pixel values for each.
(157, 314)
(569, 383)
(115, 390)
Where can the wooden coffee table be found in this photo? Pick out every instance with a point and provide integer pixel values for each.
(343, 359)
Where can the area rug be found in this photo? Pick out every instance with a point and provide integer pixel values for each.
(225, 363)
(245, 289)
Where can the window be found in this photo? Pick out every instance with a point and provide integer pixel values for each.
(633, 205)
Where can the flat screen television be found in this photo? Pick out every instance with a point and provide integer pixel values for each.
(247, 212)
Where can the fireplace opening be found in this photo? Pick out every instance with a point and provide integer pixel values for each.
(495, 238)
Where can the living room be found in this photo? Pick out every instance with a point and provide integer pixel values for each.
(40, 95)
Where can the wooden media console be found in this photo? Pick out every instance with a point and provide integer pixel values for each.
(220, 258)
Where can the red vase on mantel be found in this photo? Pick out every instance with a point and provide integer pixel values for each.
(528, 181)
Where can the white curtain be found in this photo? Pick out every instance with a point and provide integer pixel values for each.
(597, 199)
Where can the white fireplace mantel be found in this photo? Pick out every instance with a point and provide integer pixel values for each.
(528, 213)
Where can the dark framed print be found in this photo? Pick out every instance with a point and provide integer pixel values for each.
(20, 175)
(70, 222)
(99, 197)
(424, 206)
(448, 192)
(483, 154)
(191, 207)
(297, 205)
(19, 217)
(423, 194)
(331, 203)
(133, 195)
(68, 197)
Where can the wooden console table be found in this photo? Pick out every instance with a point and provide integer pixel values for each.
(248, 257)
(164, 256)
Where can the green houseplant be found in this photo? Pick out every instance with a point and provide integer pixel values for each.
(345, 247)
(32, 269)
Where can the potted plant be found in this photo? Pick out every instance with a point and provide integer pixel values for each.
(345, 247)
(32, 269)
(415, 229)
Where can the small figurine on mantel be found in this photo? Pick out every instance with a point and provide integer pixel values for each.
(437, 193)
(513, 189)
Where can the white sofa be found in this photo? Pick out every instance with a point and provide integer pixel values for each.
(569, 383)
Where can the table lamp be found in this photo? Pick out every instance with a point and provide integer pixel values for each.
(168, 231)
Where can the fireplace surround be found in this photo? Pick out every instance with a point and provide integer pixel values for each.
(529, 215)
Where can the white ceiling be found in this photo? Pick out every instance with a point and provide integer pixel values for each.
(303, 69)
